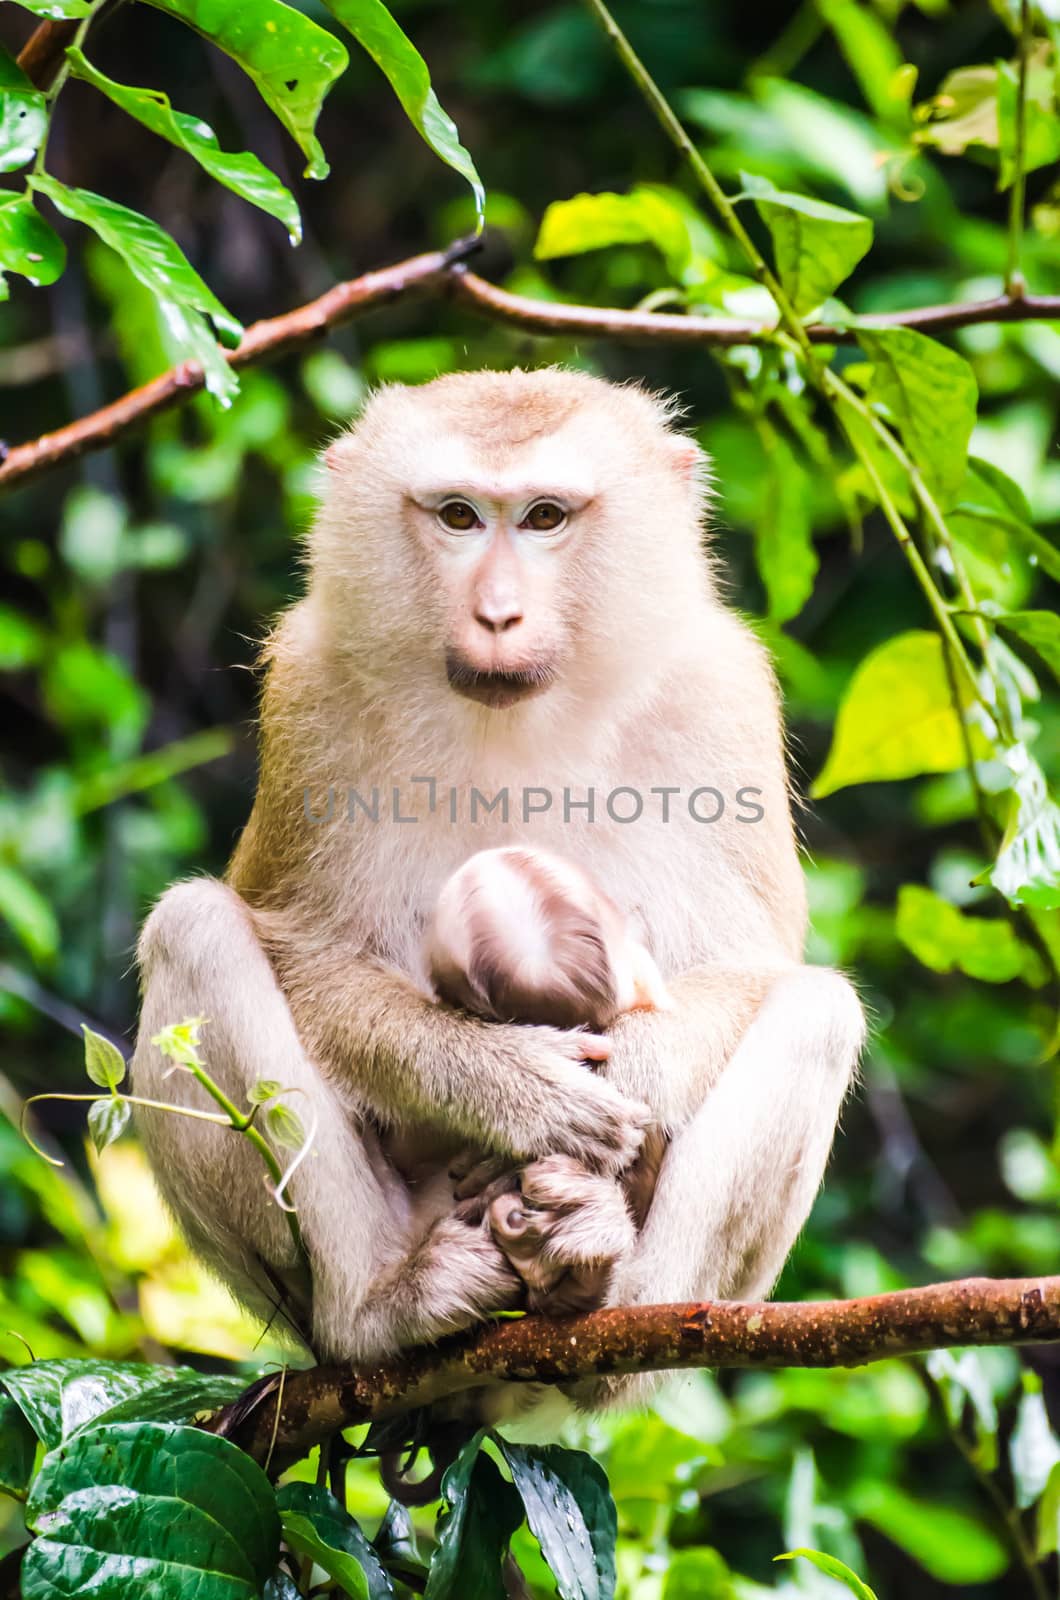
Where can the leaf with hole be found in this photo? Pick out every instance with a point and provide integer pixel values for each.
(150, 1508)
(161, 266)
(23, 115)
(291, 60)
(316, 1525)
(104, 1062)
(571, 1514)
(816, 245)
(28, 245)
(376, 31)
(241, 171)
(930, 393)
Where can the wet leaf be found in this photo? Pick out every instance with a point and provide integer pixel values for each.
(241, 172)
(930, 393)
(376, 31)
(571, 1514)
(28, 245)
(23, 115)
(316, 1525)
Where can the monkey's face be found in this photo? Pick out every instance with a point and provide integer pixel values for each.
(499, 544)
(498, 534)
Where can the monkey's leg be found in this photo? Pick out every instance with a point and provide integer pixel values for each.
(738, 1181)
(200, 957)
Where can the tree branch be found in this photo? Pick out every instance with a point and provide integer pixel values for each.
(829, 1333)
(442, 273)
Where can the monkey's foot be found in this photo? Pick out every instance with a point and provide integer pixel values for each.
(458, 1277)
(563, 1233)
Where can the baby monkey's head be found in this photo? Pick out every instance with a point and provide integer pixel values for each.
(519, 935)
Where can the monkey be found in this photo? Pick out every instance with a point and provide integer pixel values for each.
(510, 596)
(519, 935)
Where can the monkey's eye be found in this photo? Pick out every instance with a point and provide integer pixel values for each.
(459, 516)
(545, 517)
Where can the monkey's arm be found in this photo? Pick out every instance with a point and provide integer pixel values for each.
(516, 1089)
(671, 1059)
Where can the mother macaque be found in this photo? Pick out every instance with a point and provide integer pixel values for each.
(508, 598)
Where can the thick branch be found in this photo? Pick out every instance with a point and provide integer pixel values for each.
(42, 54)
(441, 273)
(828, 1333)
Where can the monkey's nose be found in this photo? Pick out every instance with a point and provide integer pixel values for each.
(498, 615)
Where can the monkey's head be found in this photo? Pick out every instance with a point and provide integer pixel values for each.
(501, 534)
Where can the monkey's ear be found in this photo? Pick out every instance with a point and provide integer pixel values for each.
(687, 457)
(337, 453)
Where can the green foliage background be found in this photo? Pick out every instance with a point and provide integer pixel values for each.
(136, 583)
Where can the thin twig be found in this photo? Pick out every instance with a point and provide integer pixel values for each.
(1014, 285)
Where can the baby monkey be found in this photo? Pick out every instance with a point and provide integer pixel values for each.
(519, 935)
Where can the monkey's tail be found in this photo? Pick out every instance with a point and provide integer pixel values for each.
(443, 1442)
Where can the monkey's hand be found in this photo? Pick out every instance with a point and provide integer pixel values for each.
(565, 1109)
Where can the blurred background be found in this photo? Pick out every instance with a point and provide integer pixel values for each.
(138, 582)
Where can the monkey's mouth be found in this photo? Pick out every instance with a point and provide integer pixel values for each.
(497, 689)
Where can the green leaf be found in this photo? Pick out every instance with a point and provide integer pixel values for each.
(58, 1398)
(18, 1447)
(56, 8)
(264, 1089)
(943, 938)
(161, 266)
(23, 115)
(833, 1568)
(816, 245)
(1034, 1450)
(896, 719)
(931, 394)
(784, 547)
(180, 1042)
(243, 173)
(391, 49)
(28, 914)
(1027, 870)
(284, 1127)
(316, 1525)
(596, 221)
(1038, 629)
(483, 1511)
(571, 1514)
(963, 1380)
(28, 245)
(698, 1574)
(963, 112)
(107, 1121)
(1048, 1537)
(991, 498)
(104, 1062)
(950, 1545)
(292, 61)
(870, 52)
(150, 1508)
(22, 642)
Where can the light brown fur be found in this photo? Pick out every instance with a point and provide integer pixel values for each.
(308, 960)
